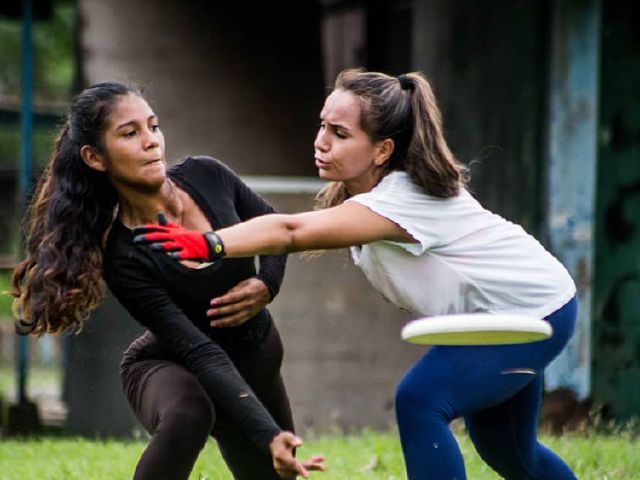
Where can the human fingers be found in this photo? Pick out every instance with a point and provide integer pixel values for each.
(229, 309)
(315, 463)
(246, 289)
(290, 467)
(301, 470)
(233, 320)
(235, 295)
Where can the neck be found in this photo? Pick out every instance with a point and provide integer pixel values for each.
(138, 208)
(364, 184)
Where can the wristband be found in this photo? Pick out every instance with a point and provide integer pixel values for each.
(216, 247)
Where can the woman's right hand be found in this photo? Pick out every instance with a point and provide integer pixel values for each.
(286, 465)
(178, 242)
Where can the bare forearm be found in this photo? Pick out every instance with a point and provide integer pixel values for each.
(343, 226)
(265, 235)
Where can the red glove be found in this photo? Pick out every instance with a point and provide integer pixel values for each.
(178, 242)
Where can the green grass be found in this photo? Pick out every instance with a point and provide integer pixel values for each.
(366, 456)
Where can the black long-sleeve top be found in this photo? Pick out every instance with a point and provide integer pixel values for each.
(171, 299)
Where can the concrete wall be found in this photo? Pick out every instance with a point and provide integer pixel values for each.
(244, 85)
(343, 354)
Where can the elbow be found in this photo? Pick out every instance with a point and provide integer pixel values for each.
(289, 240)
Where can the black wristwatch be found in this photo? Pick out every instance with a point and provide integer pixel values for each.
(216, 247)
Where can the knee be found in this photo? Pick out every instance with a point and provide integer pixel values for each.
(189, 419)
(417, 401)
(406, 396)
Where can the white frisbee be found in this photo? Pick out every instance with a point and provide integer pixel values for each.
(476, 329)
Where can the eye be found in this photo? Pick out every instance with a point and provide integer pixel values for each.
(321, 125)
(155, 128)
(340, 134)
(129, 134)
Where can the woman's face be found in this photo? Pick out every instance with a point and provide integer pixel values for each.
(134, 146)
(343, 151)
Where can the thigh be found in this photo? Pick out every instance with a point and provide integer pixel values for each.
(157, 389)
(468, 379)
(457, 381)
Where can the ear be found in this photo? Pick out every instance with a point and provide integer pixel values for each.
(384, 149)
(93, 159)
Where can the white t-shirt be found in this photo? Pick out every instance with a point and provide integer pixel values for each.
(467, 259)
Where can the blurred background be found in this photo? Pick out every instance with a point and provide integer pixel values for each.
(540, 98)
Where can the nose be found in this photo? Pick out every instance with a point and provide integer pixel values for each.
(151, 139)
(321, 142)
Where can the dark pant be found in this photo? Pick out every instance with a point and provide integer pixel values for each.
(497, 390)
(173, 407)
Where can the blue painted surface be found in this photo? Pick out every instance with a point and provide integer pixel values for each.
(26, 167)
(572, 155)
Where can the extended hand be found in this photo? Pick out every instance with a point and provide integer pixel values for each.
(240, 303)
(282, 449)
(178, 242)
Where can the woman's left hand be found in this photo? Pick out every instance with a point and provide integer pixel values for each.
(240, 303)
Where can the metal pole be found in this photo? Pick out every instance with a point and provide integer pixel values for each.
(26, 121)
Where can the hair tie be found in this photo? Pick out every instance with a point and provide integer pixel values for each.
(405, 82)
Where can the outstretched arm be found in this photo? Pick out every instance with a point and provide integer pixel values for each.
(342, 226)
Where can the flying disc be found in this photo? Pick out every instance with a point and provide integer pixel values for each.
(476, 329)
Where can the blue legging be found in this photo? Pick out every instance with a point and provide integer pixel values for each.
(497, 389)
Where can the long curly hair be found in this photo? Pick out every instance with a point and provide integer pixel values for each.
(404, 109)
(60, 281)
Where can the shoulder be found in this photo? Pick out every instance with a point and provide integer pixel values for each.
(397, 188)
(121, 255)
(195, 165)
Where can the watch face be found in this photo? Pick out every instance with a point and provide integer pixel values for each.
(215, 244)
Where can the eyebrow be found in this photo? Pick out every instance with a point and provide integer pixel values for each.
(132, 122)
(336, 125)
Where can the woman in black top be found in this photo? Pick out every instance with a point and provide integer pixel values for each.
(188, 376)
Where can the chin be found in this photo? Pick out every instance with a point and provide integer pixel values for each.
(323, 174)
(156, 182)
(146, 184)
(155, 177)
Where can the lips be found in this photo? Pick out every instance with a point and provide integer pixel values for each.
(152, 161)
(321, 163)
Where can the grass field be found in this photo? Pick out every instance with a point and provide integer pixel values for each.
(369, 455)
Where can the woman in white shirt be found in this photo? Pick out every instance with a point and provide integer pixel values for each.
(398, 199)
